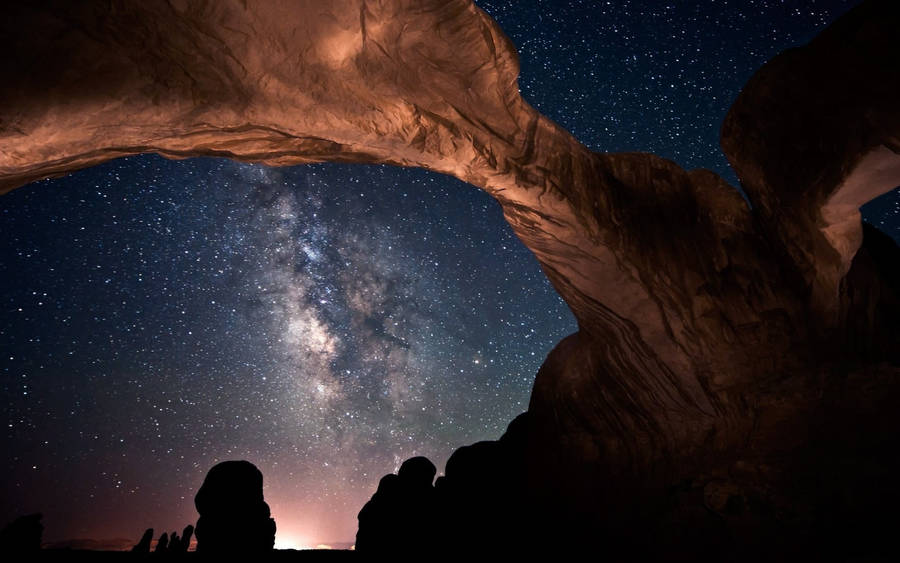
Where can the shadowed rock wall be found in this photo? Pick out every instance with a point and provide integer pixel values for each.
(716, 341)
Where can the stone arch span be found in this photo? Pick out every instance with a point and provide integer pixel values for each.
(705, 325)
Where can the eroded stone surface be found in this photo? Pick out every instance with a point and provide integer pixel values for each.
(833, 115)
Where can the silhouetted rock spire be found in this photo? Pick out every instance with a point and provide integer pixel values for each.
(180, 545)
(417, 472)
(167, 544)
(143, 546)
(234, 518)
(377, 519)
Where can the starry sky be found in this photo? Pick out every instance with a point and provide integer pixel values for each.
(325, 321)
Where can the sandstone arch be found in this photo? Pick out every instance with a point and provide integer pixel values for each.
(706, 327)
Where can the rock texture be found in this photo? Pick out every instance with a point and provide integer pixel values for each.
(725, 353)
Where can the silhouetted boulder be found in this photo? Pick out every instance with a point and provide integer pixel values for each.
(400, 517)
(22, 535)
(167, 544)
(143, 546)
(416, 518)
(417, 472)
(378, 518)
(234, 517)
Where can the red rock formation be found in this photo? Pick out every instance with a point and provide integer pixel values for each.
(830, 145)
(716, 344)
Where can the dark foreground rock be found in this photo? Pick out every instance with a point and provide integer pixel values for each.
(234, 517)
(400, 517)
(22, 536)
(477, 507)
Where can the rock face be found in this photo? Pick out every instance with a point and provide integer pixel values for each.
(744, 368)
(167, 543)
(234, 518)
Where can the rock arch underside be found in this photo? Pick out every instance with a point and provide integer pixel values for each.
(733, 386)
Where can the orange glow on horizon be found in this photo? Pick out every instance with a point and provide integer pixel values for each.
(290, 541)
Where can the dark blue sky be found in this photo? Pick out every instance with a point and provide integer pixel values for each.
(325, 322)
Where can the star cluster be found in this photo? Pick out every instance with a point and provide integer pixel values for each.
(324, 321)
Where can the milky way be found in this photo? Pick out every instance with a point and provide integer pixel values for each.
(324, 322)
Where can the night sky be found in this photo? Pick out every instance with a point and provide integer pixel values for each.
(326, 321)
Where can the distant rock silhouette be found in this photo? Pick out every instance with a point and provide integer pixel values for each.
(163, 544)
(143, 546)
(22, 536)
(234, 517)
(168, 544)
(180, 545)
